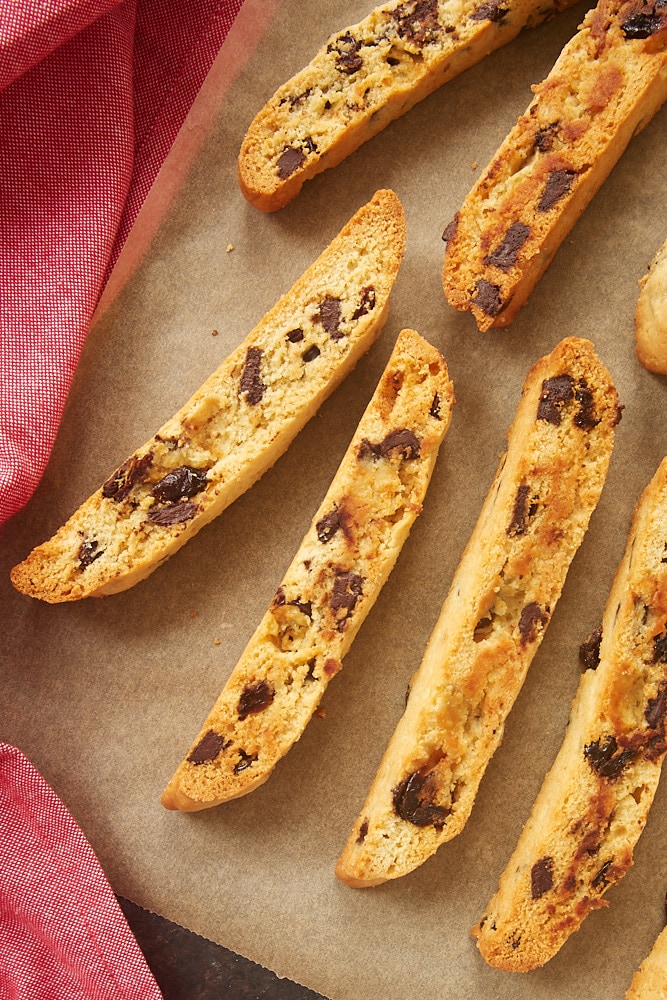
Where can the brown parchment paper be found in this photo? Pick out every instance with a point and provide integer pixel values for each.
(105, 696)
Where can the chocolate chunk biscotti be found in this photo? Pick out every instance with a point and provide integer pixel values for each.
(236, 425)
(331, 585)
(500, 602)
(651, 315)
(650, 982)
(364, 77)
(608, 82)
(594, 802)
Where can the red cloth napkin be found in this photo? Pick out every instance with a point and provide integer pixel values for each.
(92, 94)
(62, 934)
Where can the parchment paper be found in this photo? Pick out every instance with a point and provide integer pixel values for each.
(105, 695)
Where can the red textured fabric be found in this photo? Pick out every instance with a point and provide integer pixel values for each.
(62, 934)
(93, 93)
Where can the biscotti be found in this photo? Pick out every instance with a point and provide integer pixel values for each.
(331, 585)
(500, 602)
(364, 77)
(651, 315)
(593, 804)
(606, 85)
(236, 425)
(650, 982)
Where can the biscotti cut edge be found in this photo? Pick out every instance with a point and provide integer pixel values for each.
(594, 802)
(236, 425)
(650, 981)
(331, 585)
(606, 85)
(502, 597)
(364, 77)
(651, 315)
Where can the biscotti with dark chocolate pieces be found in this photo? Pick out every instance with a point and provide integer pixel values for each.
(364, 77)
(651, 315)
(500, 602)
(608, 82)
(236, 425)
(594, 802)
(331, 585)
(650, 981)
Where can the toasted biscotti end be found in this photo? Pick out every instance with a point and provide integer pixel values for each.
(594, 802)
(500, 602)
(363, 78)
(650, 981)
(608, 82)
(236, 425)
(331, 585)
(651, 316)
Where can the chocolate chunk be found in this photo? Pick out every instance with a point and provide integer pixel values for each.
(505, 255)
(522, 513)
(655, 709)
(305, 607)
(89, 552)
(245, 760)
(413, 801)
(176, 513)
(311, 353)
(642, 24)
(130, 473)
(251, 379)
(329, 316)
(589, 651)
(600, 881)
(558, 184)
(363, 830)
(401, 442)
(450, 229)
(487, 297)
(435, 407)
(255, 698)
(208, 748)
(328, 525)
(660, 648)
(585, 416)
(289, 161)
(180, 484)
(531, 617)
(492, 11)
(603, 758)
(367, 302)
(280, 598)
(294, 336)
(555, 392)
(348, 59)
(483, 628)
(545, 136)
(541, 877)
(417, 21)
(347, 589)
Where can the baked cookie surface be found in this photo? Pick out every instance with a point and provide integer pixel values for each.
(651, 315)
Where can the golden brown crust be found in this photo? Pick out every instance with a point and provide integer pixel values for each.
(651, 315)
(364, 77)
(608, 82)
(236, 425)
(499, 604)
(331, 585)
(593, 805)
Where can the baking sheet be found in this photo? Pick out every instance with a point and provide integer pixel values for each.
(105, 696)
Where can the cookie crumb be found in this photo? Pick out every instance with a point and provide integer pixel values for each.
(216, 641)
(474, 165)
(230, 247)
(214, 333)
(321, 713)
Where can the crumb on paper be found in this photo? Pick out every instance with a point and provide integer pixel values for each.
(321, 713)
(216, 641)
(214, 333)
(193, 614)
(230, 247)
(474, 165)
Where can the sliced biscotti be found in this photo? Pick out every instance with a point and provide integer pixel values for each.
(606, 85)
(331, 585)
(594, 802)
(500, 602)
(237, 423)
(651, 315)
(364, 77)
(650, 982)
